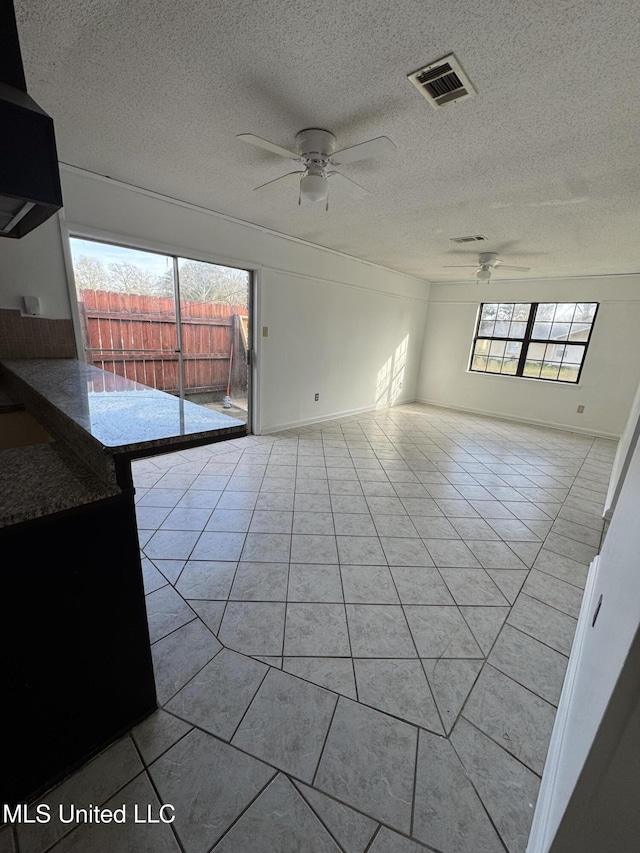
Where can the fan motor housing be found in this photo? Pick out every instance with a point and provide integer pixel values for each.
(314, 142)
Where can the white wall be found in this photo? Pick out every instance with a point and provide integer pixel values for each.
(609, 378)
(337, 325)
(589, 794)
(603, 813)
(626, 448)
(357, 349)
(34, 266)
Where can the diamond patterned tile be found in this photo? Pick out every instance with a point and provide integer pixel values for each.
(218, 696)
(529, 662)
(180, 655)
(124, 837)
(166, 611)
(316, 630)
(368, 762)
(333, 673)
(511, 715)
(507, 788)
(441, 632)
(448, 812)
(451, 553)
(350, 828)
(368, 585)
(378, 631)
(283, 822)
(253, 627)
(358, 511)
(209, 783)
(397, 687)
(287, 723)
(472, 586)
(260, 582)
(451, 682)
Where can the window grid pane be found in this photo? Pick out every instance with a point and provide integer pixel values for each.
(532, 368)
(546, 312)
(569, 373)
(554, 337)
(542, 331)
(479, 362)
(489, 311)
(496, 356)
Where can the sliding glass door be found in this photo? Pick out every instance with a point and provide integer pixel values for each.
(175, 324)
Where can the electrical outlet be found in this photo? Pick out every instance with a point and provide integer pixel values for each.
(316, 397)
(580, 409)
(265, 331)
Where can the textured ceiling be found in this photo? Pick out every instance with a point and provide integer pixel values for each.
(544, 161)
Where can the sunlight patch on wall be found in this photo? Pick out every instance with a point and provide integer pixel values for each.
(390, 377)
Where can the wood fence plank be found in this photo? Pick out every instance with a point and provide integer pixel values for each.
(134, 335)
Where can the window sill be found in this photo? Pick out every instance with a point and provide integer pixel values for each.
(545, 382)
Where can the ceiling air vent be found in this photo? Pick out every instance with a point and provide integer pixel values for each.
(475, 238)
(443, 82)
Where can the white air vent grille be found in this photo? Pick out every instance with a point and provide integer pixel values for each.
(475, 238)
(443, 82)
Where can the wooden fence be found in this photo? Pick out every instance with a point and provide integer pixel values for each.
(136, 337)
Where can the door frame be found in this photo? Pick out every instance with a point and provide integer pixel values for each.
(72, 229)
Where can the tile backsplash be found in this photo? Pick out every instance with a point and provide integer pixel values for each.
(35, 337)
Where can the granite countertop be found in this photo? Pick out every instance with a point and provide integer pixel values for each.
(46, 478)
(99, 421)
(121, 415)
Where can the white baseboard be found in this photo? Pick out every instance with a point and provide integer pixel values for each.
(267, 430)
(505, 417)
(552, 785)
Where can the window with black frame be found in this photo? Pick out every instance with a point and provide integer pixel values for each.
(534, 340)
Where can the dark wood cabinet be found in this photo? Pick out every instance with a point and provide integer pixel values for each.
(77, 670)
(77, 662)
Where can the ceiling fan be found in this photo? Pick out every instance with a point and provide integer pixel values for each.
(316, 152)
(488, 262)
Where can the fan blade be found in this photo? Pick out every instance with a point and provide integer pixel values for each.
(338, 180)
(509, 267)
(276, 180)
(268, 146)
(371, 148)
(462, 266)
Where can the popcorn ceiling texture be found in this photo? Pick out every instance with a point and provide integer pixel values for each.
(543, 161)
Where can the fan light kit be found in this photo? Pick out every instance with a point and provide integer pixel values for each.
(488, 262)
(317, 154)
(313, 188)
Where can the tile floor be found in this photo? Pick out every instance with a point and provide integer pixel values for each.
(360, 631)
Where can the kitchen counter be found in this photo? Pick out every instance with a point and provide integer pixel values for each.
(43, 479)
(105, 420)
(119, 414)
(80, 672)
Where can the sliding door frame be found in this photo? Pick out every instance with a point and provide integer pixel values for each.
(69, 229)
